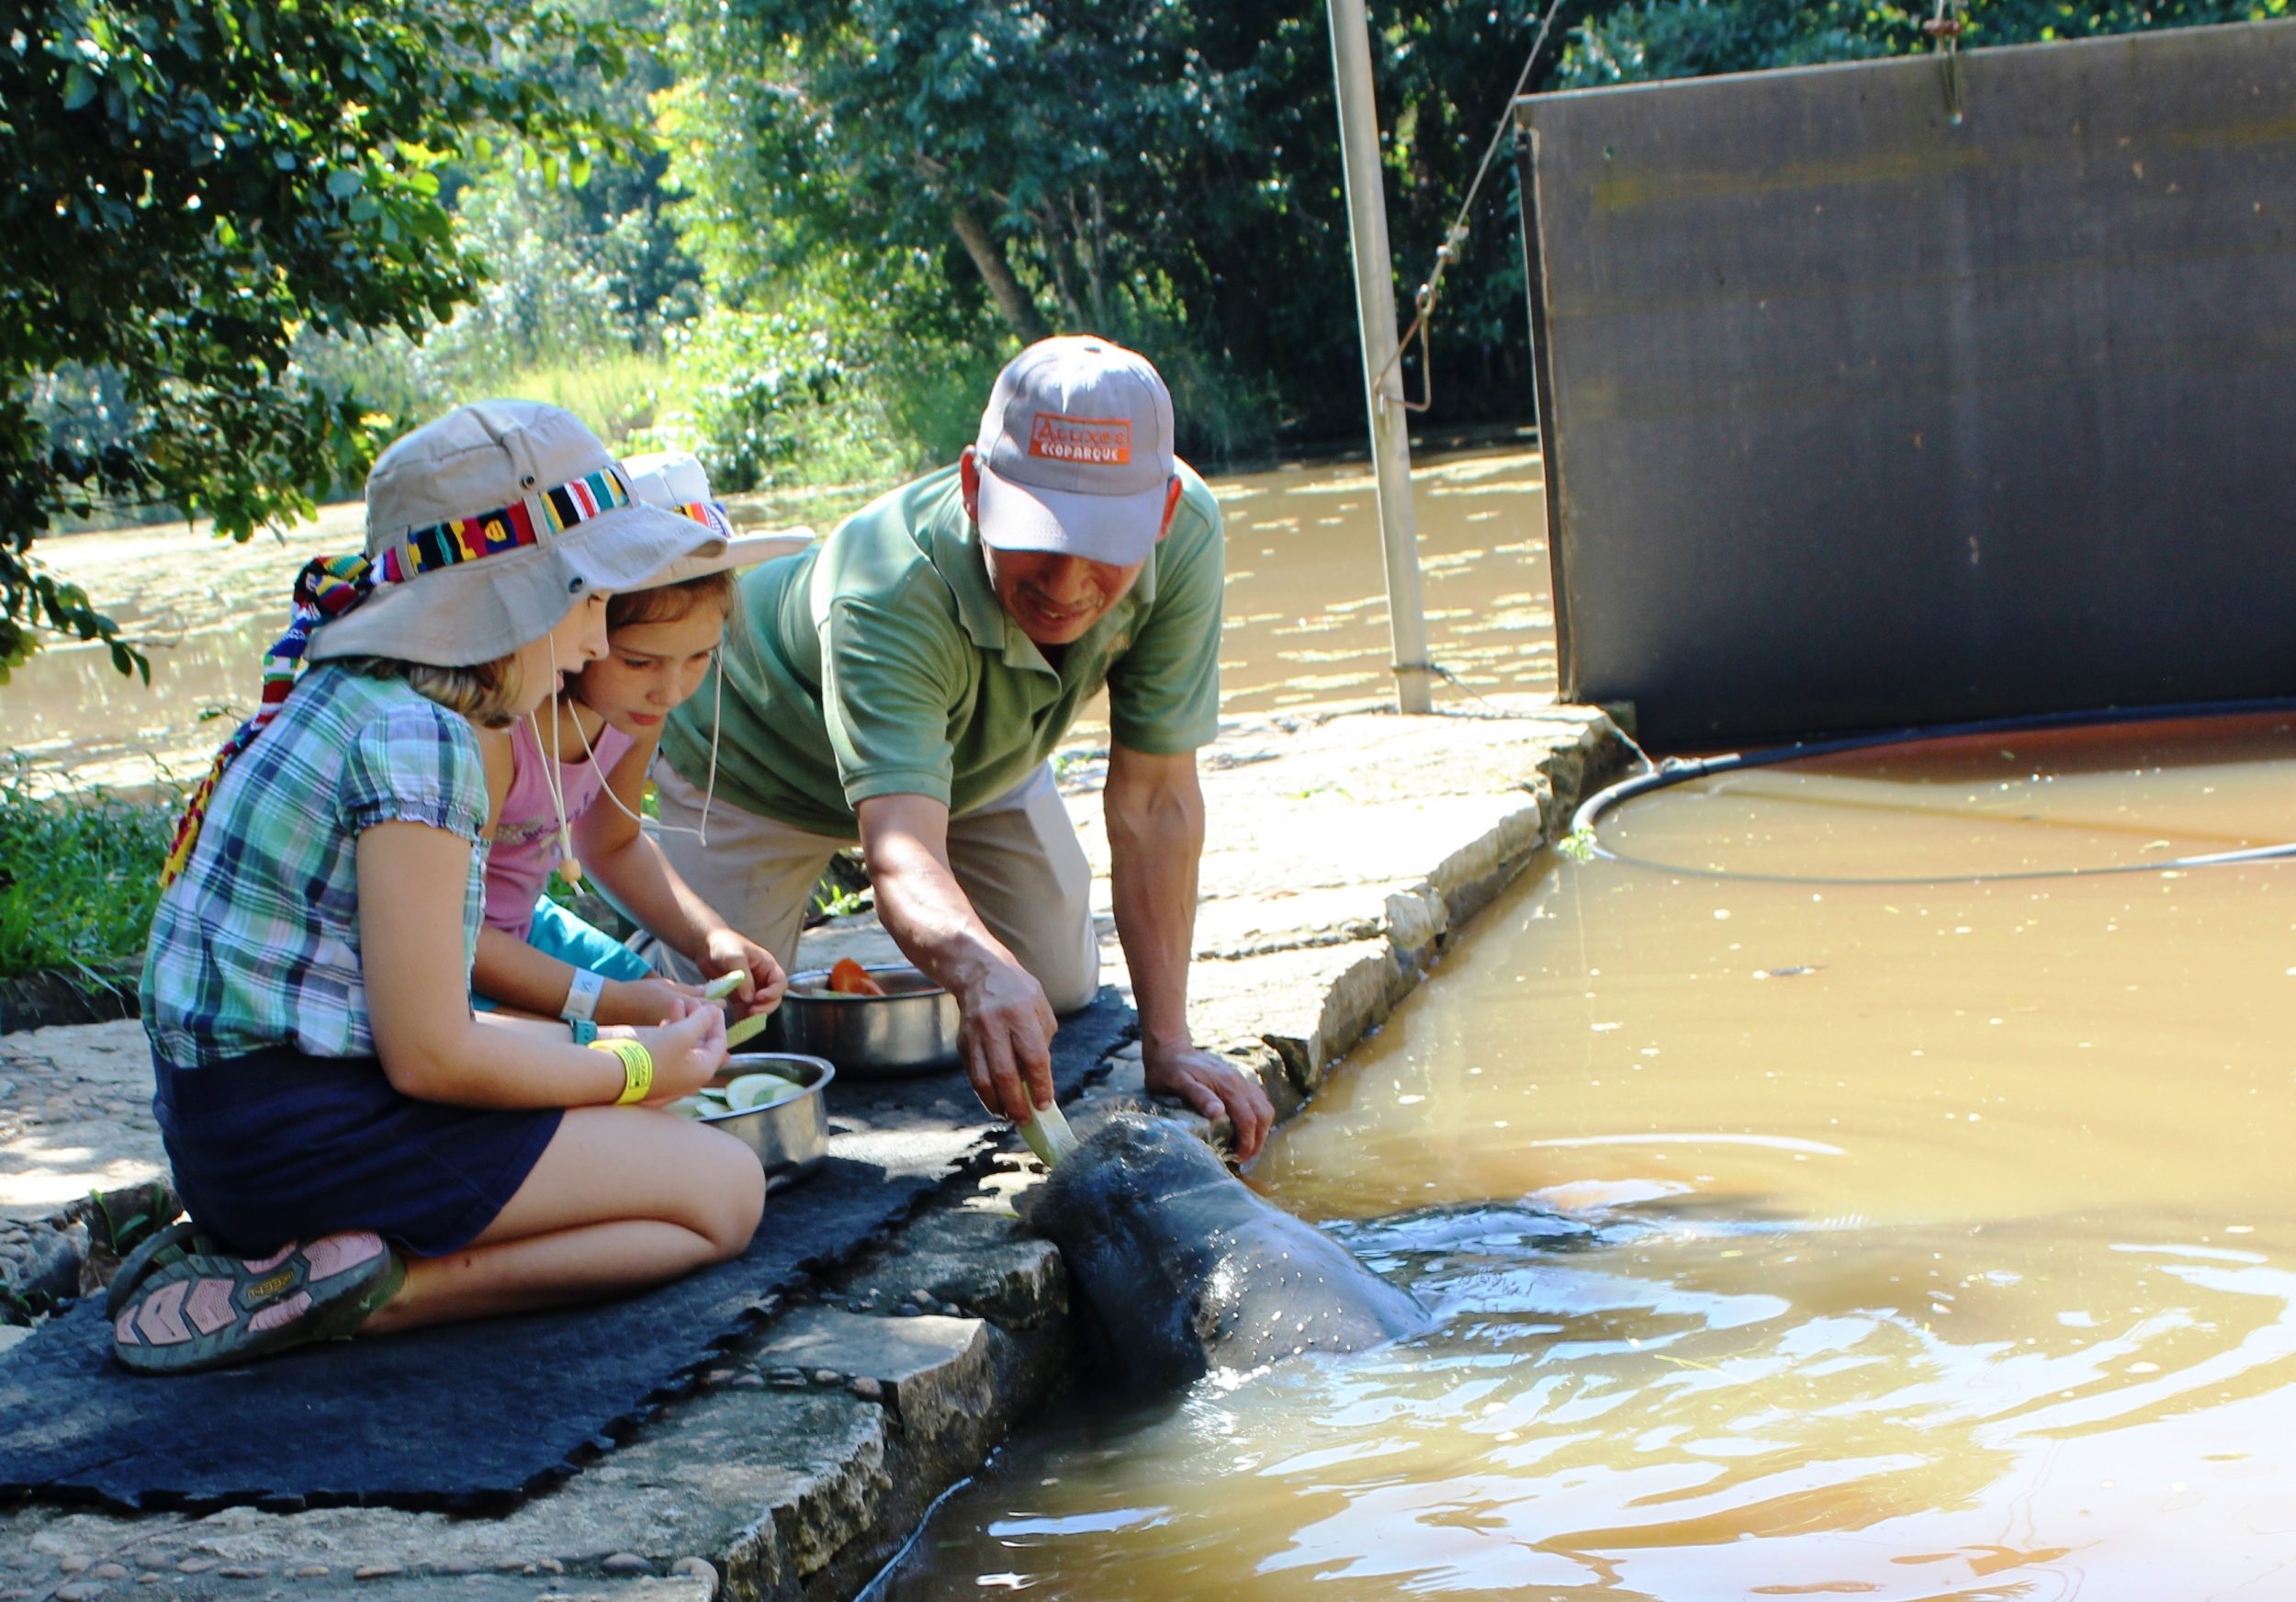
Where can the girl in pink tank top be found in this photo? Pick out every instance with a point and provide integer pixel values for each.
(566, 787)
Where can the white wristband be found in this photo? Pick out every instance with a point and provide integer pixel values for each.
(581, 997)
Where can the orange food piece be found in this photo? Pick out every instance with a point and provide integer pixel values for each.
(849, 978)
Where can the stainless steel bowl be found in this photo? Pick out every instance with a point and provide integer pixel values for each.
(790, 1136)
(911, 1028)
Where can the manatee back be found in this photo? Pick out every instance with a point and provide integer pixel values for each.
(1179, 1268)
(1286, 1288)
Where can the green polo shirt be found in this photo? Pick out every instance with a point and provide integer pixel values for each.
(880, 663)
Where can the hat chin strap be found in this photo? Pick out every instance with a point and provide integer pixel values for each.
(552, 779)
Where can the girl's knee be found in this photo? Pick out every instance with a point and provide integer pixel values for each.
(734, 1201)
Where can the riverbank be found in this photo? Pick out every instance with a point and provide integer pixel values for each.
(1306, 610)
(1344, 848)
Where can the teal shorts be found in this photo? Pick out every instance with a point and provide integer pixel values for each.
(557, 932)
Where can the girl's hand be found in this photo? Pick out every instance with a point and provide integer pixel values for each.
(640, 1002)
(685, 1053)
(726, 952)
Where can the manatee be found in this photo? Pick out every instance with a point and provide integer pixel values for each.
(1178, 1268)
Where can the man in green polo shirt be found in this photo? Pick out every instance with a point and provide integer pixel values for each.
(904, 683)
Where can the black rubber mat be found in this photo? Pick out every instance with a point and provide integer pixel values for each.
(473, 1415)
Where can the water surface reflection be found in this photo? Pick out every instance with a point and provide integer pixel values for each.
(1788, 1240)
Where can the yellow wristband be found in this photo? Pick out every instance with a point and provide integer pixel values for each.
(637, 1068)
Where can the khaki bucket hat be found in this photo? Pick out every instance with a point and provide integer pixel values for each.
(487, 526)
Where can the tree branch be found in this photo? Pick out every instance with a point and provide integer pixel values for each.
(1013, 303)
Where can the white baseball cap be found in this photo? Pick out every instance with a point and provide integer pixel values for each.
(677, 481)
(1076, 452)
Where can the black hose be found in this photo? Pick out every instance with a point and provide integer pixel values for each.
(1675, 769)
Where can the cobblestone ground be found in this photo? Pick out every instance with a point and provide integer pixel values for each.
(75, 1117)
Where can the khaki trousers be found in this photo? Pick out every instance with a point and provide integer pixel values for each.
(1016, 859)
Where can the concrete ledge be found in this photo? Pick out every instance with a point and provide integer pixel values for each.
(972, 1261)
(1344, 852)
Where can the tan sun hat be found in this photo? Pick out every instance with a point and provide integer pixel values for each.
(486, 527)
(676, 479)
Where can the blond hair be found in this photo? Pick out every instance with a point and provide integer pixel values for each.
(484, 692)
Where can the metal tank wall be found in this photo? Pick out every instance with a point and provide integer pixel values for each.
(1858, 415)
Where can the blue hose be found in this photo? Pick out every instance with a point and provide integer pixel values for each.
(1675, 769)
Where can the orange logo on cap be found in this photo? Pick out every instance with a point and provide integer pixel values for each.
(1081, 439)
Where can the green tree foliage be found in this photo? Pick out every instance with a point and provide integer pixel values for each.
(194, 184)
(1165, 173)
(540, 239)
(584, 284)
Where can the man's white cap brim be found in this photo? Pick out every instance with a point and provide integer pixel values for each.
(741, 551)
(1117, 529)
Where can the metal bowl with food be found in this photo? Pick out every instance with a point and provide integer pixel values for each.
(789, 1129)
(911, 1029)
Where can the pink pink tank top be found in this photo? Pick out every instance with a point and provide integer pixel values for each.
(526, 841)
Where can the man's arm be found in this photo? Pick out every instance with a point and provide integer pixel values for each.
(1155, 817)
(1006, 1038)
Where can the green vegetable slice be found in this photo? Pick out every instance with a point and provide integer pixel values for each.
(723, 985)
(1046, 1131)
(743, 1029)
(754, 1091)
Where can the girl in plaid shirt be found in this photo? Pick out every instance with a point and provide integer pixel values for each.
(356, 1149)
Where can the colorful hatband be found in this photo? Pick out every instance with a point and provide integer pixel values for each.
(710, 515)
(510, 528)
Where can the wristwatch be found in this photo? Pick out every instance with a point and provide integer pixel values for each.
(581, 997)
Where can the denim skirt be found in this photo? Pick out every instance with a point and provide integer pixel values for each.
(278, 1146)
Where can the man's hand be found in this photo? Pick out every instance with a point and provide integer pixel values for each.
(1156, 813)
(1006, 1038)
(1216, 1089)
(726, 952)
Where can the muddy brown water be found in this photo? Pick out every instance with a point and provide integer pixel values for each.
(1789, 1237)
(1306, 618)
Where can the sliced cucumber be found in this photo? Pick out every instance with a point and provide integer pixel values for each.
(754, 1091)
(1046, 1131)
(723, 985)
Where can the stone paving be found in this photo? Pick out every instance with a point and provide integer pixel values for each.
(1344, 850)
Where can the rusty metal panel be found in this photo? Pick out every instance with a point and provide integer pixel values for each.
(1857, 415)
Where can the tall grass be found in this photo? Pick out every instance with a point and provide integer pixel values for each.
(619, 394)
(79, 877)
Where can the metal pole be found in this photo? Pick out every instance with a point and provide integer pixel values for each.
(1375, 310)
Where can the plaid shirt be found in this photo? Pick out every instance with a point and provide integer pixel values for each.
(257, 945)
